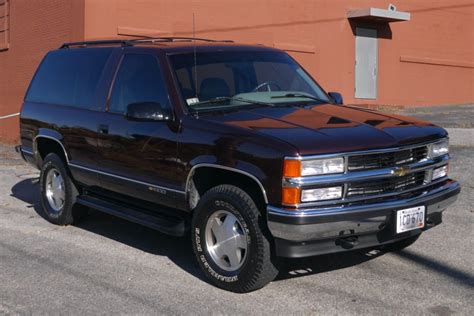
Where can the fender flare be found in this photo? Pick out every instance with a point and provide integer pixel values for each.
(210, 165)
(51, 137)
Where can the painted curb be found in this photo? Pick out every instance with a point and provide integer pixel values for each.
(461, 136)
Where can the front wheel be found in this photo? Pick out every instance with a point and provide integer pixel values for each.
(230, 242)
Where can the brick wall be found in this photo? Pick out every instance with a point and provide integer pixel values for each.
(35, 27)
(428, 60)
(4, 25)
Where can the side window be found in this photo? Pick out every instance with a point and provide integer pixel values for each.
(138, 80)
(69, 77)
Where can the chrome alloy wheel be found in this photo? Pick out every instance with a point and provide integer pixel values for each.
(226, 240)
(55, 189)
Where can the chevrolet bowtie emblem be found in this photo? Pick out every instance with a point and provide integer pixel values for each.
(400, 171)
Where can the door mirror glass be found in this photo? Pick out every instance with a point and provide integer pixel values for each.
(336, 97)
(146, 111)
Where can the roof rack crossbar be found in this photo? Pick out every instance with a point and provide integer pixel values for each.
(90, 43)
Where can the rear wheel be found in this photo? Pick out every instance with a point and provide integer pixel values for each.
(230, 242)
(58, 192)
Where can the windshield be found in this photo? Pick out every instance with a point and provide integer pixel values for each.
(217, 80)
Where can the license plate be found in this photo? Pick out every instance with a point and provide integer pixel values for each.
(410, 218)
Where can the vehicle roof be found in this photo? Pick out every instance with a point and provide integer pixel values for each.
(173, 46)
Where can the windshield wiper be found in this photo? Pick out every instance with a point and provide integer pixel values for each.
(224, 99)
(300, 95)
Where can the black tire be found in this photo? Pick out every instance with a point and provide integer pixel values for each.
(69, 213)
(401, 244)
(256, 268)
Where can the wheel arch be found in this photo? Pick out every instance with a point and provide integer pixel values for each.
(240, 178)
(44, 144)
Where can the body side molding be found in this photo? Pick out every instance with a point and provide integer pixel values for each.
(124, 178)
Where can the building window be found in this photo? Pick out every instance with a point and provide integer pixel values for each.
(4, 24)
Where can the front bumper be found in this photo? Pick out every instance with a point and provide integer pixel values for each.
(319, 231)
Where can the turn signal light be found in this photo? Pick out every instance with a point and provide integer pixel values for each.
(292, 168)
(291, 196)
(440, 172)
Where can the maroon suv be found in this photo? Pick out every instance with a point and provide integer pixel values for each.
(236, 144)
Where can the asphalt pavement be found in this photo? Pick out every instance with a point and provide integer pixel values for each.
(107, 265)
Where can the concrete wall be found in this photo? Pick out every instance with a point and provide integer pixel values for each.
(428, 60)
(36, 26)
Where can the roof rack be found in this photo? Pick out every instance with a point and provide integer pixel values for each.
(91, 43)
(179, 38)
(141, 40)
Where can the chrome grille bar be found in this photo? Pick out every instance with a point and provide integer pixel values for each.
(389, 159)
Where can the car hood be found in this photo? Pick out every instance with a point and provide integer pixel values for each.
(322, 129)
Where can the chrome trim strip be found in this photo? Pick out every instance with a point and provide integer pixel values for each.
(191, 173)
(424, 197)
(52, 138)
(125, 178)
(363, 175)
(27, 151)
(365, 152)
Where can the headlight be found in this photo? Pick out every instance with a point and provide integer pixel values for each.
(313, 167)
(322, 166)
(321, 194)
(439, 149)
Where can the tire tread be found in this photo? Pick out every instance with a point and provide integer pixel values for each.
(264, 271)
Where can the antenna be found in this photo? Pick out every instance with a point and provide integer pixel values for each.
(195, 58)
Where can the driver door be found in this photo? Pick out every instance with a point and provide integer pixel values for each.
(138, 158)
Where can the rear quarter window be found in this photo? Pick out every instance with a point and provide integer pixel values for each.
(69, 77)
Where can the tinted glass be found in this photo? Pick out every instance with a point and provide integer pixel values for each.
(69, 77)
(260, 76)
(138, 80)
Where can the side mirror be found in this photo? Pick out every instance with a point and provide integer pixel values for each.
(146, 111)
(336, 97)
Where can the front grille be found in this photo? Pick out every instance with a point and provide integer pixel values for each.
(386, 160)
(401, 195)
(386, 185)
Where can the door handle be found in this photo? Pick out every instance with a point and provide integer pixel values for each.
(103, 129)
